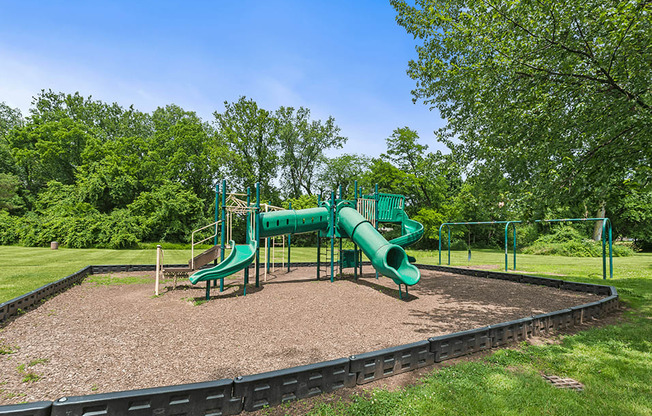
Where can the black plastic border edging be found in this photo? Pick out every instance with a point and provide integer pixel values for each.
(254, 392)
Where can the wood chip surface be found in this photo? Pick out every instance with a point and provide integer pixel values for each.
(100, 338)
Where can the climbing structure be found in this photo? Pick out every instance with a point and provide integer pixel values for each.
(334, 218)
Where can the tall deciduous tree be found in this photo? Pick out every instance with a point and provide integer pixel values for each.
(556, 94)
(342, 171)
(250, 134)
(303, 142)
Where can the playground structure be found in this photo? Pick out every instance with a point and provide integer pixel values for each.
(606, 229)
(333, 218)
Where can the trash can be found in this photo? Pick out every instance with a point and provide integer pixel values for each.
(54, 245)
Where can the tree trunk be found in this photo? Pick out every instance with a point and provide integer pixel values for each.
(597, 228)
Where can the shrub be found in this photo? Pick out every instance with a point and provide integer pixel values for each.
(567, 241)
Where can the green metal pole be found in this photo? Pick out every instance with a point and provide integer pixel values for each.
(360, 251)
(449, 244)
(290, 240)
(514, 242)
(606, 227)
(339, 256)
(223, 232)
(440, 242)
(506, 258)
(513, 224)
(332, 236)
(611, 258)
(257, 233)
(377, 213)
(318, 243)
(355, 246)
(217, 206)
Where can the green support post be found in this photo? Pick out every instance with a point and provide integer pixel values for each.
(355, 246)
(513, 224)
(257, 233)
(318, 243)
(223, 232)
(360, 251)
(290, 240)
(339, 256)
(332, 236)
(376, 213)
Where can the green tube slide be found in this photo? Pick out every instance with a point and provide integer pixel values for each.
(411, 232)
(389, 259)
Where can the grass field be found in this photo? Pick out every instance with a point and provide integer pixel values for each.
(614, 363)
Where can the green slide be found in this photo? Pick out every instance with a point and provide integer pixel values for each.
(240, 257)
(389, 259)
(411, 231)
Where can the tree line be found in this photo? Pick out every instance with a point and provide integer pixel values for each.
(92, 174)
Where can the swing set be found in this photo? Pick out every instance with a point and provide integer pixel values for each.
(606, 229)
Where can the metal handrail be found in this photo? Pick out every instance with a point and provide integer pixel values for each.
(193, 244)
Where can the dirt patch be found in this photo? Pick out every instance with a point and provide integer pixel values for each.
(104, 336)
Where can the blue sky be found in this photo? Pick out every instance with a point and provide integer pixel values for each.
(341, 58)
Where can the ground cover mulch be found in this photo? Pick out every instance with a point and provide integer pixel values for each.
(112, 334)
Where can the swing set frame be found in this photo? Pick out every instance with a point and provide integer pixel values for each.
(606, 229)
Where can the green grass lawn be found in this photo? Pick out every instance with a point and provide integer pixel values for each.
(614, 362)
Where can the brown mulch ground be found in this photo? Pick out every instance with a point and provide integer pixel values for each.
(100, 338)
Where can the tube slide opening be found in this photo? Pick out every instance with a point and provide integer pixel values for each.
(395, 257)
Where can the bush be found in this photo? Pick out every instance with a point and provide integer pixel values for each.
(567, 241)
(8, 228)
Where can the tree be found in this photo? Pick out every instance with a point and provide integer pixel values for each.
(342, 171)
(303, 142)
(10, 119)
(408, 155)
(555, 94)
(181, 149)
(250, 136)
(9, 185)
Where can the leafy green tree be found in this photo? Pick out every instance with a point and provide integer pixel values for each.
(168, 213)
(250, 136)
(180, 148)
(10, 119)
(634, 218)
(48, 151)
(116, 171)
(108, 120)
(342, 171)
(9, 199)
(303, 142)
(555, 94)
